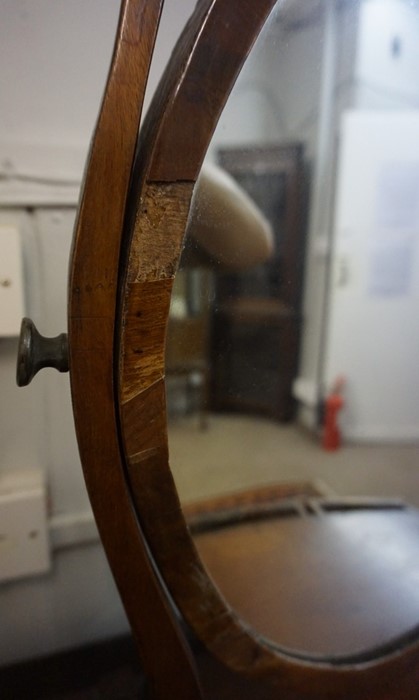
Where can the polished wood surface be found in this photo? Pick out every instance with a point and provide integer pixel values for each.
(333, 584)
(226, 30)
(132, 241)
(92, 303)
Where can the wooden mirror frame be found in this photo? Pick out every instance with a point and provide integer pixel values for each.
(91, 320)
(129, 233)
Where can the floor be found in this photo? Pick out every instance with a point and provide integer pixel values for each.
(238, 451)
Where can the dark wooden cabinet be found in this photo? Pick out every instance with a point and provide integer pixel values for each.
(257, 313)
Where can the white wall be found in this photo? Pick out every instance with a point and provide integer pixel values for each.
(292, 82)
(381, 365)
(373, 334)
(386, 70)
(54, 59)
(377, 63)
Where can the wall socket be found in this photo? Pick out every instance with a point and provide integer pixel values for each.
(24, 545)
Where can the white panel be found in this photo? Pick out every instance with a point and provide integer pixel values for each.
(54, 228)
(24, 548)
(22, 411)
(11, 281)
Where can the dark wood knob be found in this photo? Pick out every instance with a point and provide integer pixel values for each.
(36, 352)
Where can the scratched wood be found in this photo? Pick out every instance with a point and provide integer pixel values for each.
(157, 240)
(92, 301)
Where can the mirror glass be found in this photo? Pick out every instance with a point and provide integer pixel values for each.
(291, 358)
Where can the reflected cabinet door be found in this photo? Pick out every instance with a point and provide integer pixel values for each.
(256, 319)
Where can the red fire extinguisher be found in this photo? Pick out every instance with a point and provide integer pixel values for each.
(333, 404)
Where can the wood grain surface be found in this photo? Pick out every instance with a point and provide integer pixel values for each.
(92, 304)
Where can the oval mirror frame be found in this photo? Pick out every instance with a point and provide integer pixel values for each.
(134, 459)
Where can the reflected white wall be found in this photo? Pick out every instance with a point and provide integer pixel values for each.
(386, 70)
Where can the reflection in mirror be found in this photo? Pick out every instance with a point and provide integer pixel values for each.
(228, 232)
(291, 369)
